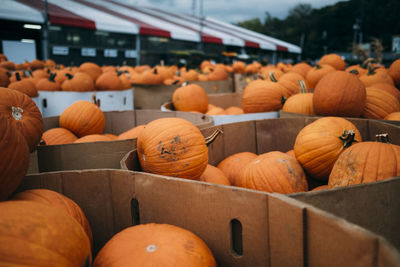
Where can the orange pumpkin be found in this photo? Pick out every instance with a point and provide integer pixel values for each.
(375, 76)
(191, 97)
(232, 165)
(14, 155)
(190, 75)
(4, 78)
(111, 136)
(132, 133)
(395, 116)
(155, 245)
(48, 84)
(334, 60)
(58, 136)
(24, 86)
(366, 162)
(394, 72)
(291, 153)
(37, 64)
(93, 138)
(80, 82)
(173, 147)
(24, 115)
(300, 103)
(339, 93)
(316, 74)
(61, 76)
(57, 200)
(125, 83)
(321, 187)
(290, 83)
(9, 65)
(216, 111)
(274, 172)
(238, 67)
(319, 144)
(214, 175)
(151, 77)
(109, 81)
(301, 68)
(262, 96)
(83, 118)
(234, 111)
(92, 69)
(379, 104)
(388, 88)
(44, 235)
(218, 74)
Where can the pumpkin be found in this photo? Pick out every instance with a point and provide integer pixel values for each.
(172, 147)
(57, 200)
(24, 115)
(251, 68)
(205, 63)
(58, 136)
(124, 78)
(319, 144)
(14, 155)
(92, 69)
(234, 110)
(37, 64)
(191, 97)
(219, 74)
(109, 81)
(395, 116)
(190, 75)
(48, 84)
(274, 172)
(275, 72)
(238, 67)
(4, 78)
(388, 88)
(83, 118)
(366, 162)
(300, 103)
(9, 65)
(176, 80)
(379, 104)
(357, 70)
(232, 165)
(283, 67)
(262, 96)
(321, 187)
(290, 83)
(203, 77)
(155, 245)
(18, 76)
(394, 72)
(80, 82)
(375, 76)
(214, 175)
(61, 76)
(316, 73)
(301, 68)
(333, 60)
(132, 133)
(40, 73)
(152, 77)
(165, 72)
(339, 93)
(38, 234)
(111, 136)
(24, 86)
(216, 111)
(291, 153)
(93, 138)
(50, 63)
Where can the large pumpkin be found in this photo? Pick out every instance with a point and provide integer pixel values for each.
(232, 165)
(316, 74)
(333, 60)
(339, 93)
(191, 97)
(388, 88)
(132, 133)
(14, 154)
(366, 162)
(375, 76)
(24, 115)
(109, 81)
(155, 245)
(395, 116)
(83, 118)
(379, 104)
(262, 96)
(301, 103)
(173, 147)
(214, 175)
(35, 234)
(58, 136)
(80, 82)
(48, 84)
(59, 201)
(290, 83)
(25, 86)
(93, 138)
(274, 172)
(319, 144)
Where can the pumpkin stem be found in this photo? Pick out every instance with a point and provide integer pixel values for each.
(272, 77)
(283, 100)
(383, 138)
(175, 82)
(371, 70)
(348, 138)
(52, 76)
(155, 71)
(354, 72)
(17, 76)
(213, 136)
(95, 100)
(69, 76)
(318, 67)
(303, 87)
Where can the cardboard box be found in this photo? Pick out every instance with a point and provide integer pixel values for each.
(227, 100)
(241, 81)
(54, 103)
(153, 96)
(242, 227)
(97, 155)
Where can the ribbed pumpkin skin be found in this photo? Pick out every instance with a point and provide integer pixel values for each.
(24, 86)
(290, 83)
(132, 133)
(59, 201)
(339, 93)
(173, 147)
(92, 69)
(155, 245)
(262, 96)
(232, 165)
(301, 68)
(214, 175)
(394, 72)
(300, 103)
(83, 118)
(334, 60)
(108, 81)
(378, 77)
(366, 162)
(14, 156)
(34, 234)
(395, 116)
(316, 74)
(379, 104)
(190, 98)
(29, 123)
(44, 84)
(388, 88)
(291, 153)
(318, 145)
(81, 82)
(93, 138)
(274, 172)
(58, 136)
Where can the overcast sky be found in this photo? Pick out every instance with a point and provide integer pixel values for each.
(233, 10)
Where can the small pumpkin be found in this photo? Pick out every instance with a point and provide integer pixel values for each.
(379, 104)
(83, 118)
(190, 75)
(58, 136)
(151, 77)
(233, 110)
(316, 73)
(93, 138)
(319, 144)
(48, 84)
(109, 81)
(395, 116)
(300, 103)
(238, 67)
(9, 65)
(80, 82)
(214, 175)
(155, 245)
(216, 111)
(290, 83)
(232, 165)
(375, 76)
(262, 96)
(37, 64)
(132, 133)
(301, 68)
(274, 172)
(334, 60)
(24, 86)
(394, 72)
(357, 70)
(92, 69)
(4, 78)
(191, 97)
(218, 74)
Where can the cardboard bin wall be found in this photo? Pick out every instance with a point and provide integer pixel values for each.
(241, 227)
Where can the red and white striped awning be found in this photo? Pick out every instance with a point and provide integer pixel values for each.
(113, 16)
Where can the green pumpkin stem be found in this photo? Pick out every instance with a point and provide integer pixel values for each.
(52, 76)
(213, 136)
(371, 70)
(383, 138)
(272, 77)
(17, 76)
(348, 138)
(303, 87)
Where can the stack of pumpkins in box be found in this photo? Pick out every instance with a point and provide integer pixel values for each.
(83, 122)
(328, 89)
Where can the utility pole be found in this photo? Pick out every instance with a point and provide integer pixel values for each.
(201, 47)
(45, 32)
